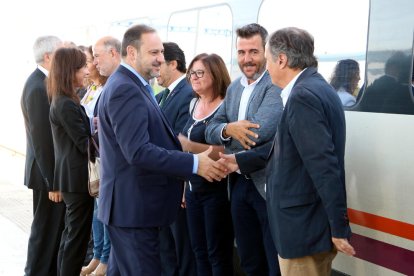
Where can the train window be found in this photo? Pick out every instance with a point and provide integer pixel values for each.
(389, 86)
(340, 32)
(203, 30)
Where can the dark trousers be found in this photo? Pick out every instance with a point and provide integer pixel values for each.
(134, 251)
(211, 232)
(258, 255)
(75, 237)
(177, 258)
(45, 234)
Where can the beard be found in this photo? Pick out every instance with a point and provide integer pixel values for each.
(259, 71)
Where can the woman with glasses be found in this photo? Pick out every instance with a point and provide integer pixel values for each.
(208, 208)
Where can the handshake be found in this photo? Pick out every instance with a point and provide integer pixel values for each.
(213, 165)
(215, 170)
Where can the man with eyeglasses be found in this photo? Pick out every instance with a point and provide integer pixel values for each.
(246, 124)
(177, 257)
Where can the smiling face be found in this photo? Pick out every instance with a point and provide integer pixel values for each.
(202, 85)
(166, 74)
(80, 76)
(150, 56)
(250, 56)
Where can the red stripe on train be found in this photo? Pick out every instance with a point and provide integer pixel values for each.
(383, 224)
(383, 254)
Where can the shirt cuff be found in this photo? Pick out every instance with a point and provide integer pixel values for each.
(221, 134)
(195, 164)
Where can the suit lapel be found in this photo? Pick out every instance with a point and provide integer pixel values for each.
(151, 100)
(174, 92)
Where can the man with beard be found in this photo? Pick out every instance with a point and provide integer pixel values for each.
(246, 123)
(142, 165)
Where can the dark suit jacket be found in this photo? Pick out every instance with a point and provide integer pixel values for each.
(140, 157)
(176, 105)
(40, 160)
(71, 130)
(306, 195)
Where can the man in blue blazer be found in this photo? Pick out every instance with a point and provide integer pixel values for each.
(177, 257)
(142, 163)
(306, 195)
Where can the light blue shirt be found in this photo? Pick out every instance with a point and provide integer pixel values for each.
(149, 88)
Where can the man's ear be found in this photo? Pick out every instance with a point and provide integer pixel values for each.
(282, 60)
(173, 63)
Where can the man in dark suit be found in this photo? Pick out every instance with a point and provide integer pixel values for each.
(177, 257)
(306, 195)
(48, 208)
(142, 163)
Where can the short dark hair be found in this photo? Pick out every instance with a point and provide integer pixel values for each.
(132, 37)
(297, 44)
(218, 70)
(173, 52)
(251, 30)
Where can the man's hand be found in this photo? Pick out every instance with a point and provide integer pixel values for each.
(343, 246)
(229, 161)
(55, 196)
(240, 131)
(209, 169)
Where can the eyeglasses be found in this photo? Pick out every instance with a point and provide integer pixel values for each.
(198, 73)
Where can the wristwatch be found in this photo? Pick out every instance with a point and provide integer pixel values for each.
(224, 131)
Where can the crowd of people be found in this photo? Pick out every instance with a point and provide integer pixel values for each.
(204, 166)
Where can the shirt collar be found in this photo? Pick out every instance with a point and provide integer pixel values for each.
(174, 84)
(243, 80)
(43, 69)
(129, 67)
(286, 91)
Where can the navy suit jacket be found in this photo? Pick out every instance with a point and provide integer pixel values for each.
(40, 158)
(306, 195)
(141, 158)
(176, 105)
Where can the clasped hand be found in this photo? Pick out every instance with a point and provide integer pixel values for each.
(208, 168)
(240, 131)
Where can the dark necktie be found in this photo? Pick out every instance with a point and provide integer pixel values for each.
(164, 96)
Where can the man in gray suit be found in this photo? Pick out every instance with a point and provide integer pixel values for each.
(246, 123)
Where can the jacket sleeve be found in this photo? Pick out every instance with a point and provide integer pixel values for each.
(37, 106)
(73, 122)
(268, 114)
(254, 159)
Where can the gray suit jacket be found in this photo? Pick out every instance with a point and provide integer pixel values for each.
(264, 108)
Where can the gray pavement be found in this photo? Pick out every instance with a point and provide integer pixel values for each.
(15, 213)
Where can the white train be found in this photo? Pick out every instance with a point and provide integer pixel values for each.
(380, 126)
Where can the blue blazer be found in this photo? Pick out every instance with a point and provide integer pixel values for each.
(176, 105)
(141, 158)
(306, 195)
